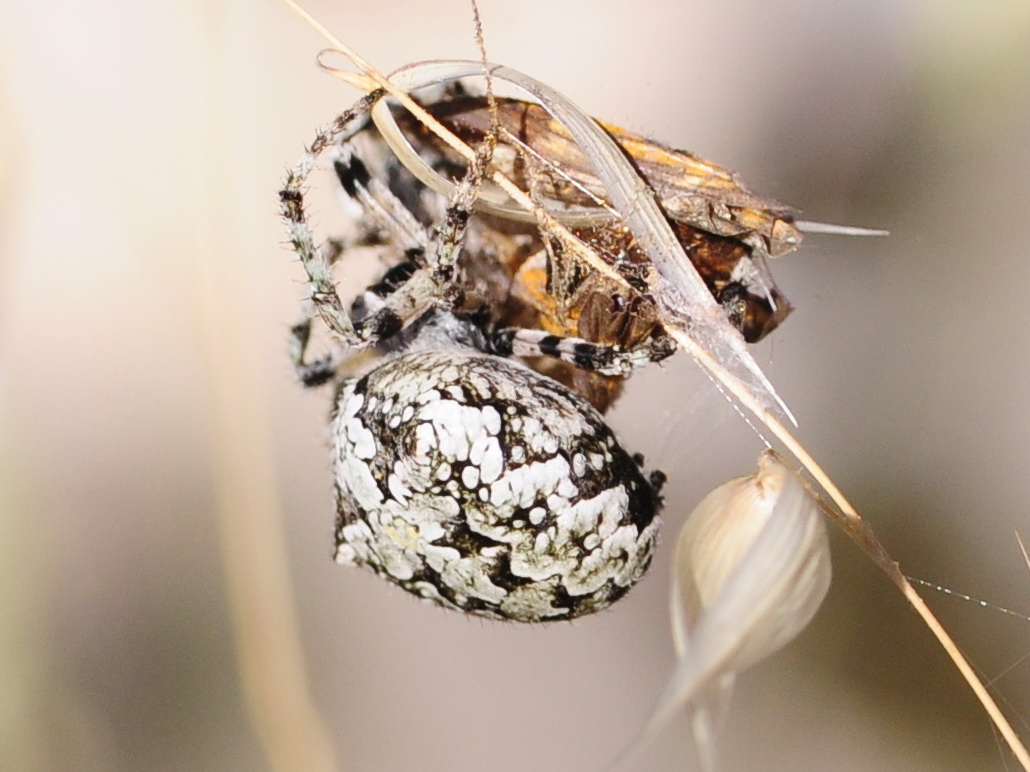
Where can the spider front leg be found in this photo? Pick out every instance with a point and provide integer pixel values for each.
(384, 208)
(432, 276)
(604, 358)
(429, 277)
(322, 369)
(317, 261)
(326, 302)
(374, 320)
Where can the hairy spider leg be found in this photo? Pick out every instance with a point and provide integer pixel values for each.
(603, 358)
(314, 259)
(434, 283)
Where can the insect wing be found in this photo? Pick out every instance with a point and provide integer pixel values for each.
(691, 189)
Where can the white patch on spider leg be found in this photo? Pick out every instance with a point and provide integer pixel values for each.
(481, 491)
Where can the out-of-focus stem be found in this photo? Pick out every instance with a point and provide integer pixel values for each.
(271, 664)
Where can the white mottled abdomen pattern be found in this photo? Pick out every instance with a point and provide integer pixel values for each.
(479, 484)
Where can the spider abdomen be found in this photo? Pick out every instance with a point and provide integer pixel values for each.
(479, 484)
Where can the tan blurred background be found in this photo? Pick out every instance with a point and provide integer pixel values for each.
(141, 147)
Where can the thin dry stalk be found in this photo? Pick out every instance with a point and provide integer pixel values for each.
(273, 676)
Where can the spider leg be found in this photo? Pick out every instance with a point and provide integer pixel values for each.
(318, 371)
(381, 205)
(432, 276)
(321, 370)
(317, 261)
(324, 298)
(603, 358)
(451, 235)
(429, 277)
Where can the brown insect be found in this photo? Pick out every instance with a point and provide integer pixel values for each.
(727, 232)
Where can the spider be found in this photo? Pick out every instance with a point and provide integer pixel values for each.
(462, 475)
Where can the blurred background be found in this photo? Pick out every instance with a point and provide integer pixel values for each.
(151, 432)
